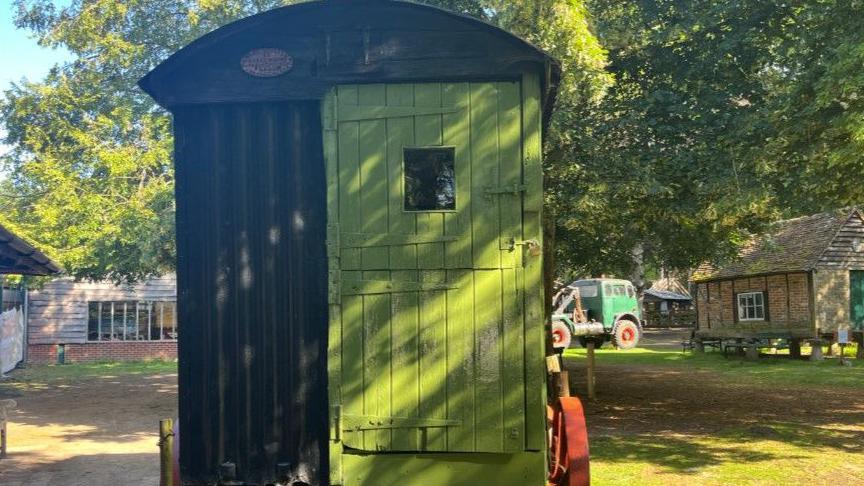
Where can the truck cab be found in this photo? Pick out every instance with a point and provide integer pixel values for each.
(598, 310)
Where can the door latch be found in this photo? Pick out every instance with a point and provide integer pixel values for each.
(532, 246)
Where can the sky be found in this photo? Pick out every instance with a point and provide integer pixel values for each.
(20, 55)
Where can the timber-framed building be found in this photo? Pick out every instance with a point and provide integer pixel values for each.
(803, 279)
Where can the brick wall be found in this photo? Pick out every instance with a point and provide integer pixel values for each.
(727, 294)
(799, 301)
(107, 351)
(832, 299)
(714, 305)
(788, 298)
(702, 305)
(778, 299)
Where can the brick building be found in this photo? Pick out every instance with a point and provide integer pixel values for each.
(70, 321)
(804, 279)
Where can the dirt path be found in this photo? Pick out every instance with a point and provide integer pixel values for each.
(93, 431)
(664, 338)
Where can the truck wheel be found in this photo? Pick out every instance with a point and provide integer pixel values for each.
(626, 334)
(598, 341)
(561, 335)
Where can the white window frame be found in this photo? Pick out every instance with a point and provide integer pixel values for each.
(742, 306)
(155, 320)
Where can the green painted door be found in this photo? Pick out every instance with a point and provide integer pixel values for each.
(429, 348)
(856, 298)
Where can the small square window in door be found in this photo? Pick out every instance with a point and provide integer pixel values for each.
(430, 179)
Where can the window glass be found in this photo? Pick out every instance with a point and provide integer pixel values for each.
(751, 306)
(93, 321)
(107, 321)
(619, 290)
(430, 179)
(587, 290)
(607, 290)
(131, 321)
(630, 291)
(168, 320)
(130, 327)
(144, 320)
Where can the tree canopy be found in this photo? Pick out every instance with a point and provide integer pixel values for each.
(681, 126)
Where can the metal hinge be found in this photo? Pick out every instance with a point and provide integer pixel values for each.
(513, 189)
(336, 422)
(368, 240)
(359, 423)
(345, 422)
(371, 287)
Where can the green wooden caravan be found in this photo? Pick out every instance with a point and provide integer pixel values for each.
(359, 204)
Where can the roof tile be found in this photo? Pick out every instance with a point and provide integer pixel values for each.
(792, 245)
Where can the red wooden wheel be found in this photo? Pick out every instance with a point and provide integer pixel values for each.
(568, 444)
(627, 335)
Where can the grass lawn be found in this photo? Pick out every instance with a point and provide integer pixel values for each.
(667, 418)
(35, 376)
(770, 369)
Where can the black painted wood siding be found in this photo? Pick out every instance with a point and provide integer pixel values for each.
(252, 289)
(343, 42)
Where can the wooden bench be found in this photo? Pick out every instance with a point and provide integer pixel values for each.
(755, 345)
(692, 342)
(5, 406)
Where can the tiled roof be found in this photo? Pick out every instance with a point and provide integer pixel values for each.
(789, 246)
(666, 295)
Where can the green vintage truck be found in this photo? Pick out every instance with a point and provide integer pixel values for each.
(597, 310)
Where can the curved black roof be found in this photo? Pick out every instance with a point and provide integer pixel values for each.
(337, 42)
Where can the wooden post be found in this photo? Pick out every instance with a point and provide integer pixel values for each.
(739, 350)
(166, 452)
(795, 348)
(564, 389)
(5, 406)
(2, 438)
(816, 350)
(591, 394)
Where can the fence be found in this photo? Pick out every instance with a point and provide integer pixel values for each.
(674, 318)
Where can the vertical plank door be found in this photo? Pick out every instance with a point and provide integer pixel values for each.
(427, 327)
(856, 298)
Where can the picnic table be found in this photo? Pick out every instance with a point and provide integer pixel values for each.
(751, 346)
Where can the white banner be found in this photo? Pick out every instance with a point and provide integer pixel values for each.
(11, 339)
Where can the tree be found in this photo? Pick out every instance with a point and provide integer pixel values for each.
(724, 115)
(91, 178)
(658, 164)
(91, 175)
(680, 127)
